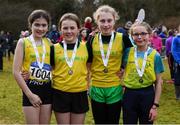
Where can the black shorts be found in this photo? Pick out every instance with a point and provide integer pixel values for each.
(70, 102)
(43, 90)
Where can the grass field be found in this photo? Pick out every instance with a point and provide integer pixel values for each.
(11, 109)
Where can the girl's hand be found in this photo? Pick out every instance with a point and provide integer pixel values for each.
(35, 100)
(25, 75)
(153, 113)
(120, 73)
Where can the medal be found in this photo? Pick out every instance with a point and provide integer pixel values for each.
(141, 80)
(68, 60)
(140, 71)
(105, 70)
(105, 58)
(70, 72)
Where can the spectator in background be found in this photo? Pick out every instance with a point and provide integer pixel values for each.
(169, 54)
(175, 49)
(24, 34)
(53, 35)
(156, 41)
(88, 23)
(125, 30)
(10, 44)
(84, 34)
(2, 40)
(162, 34)
(1, 57)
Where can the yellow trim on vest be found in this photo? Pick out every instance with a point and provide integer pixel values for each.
(110, 79)
(61, 79)
(131, 78)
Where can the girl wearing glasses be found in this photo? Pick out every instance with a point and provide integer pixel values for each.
(142, 78)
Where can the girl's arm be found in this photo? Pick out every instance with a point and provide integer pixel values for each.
(17, 65)
(88, 75)
(158, 87)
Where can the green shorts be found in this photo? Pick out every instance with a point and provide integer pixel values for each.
(106, 95)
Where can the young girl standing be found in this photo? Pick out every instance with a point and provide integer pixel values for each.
(142, 78)
(106, 50)
(70, 101)
(33, 55)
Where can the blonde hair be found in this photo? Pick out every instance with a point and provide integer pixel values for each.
(144, 24)
(88, 19)
(105, 8)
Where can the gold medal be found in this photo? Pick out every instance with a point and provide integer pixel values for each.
(105, 70)
(70, 72)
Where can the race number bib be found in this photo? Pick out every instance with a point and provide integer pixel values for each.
(43, 74)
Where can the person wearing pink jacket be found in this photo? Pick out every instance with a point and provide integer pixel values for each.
(156, 42)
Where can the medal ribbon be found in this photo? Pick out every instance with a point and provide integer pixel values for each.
(105, 59)
(70, 61)
(40, 64)
(140, 71)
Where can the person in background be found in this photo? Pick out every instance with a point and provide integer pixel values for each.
(10, 43)
(2, 48)
(70, 100)
(125, 30)
(175, 49)
(24, 34)
(169, 54)
(106, 49)
(1, 53)
(53, 35)
(84, 34)
(156, 41)
(88, 24)
(32, 55)
(142, 78)
(3, 42)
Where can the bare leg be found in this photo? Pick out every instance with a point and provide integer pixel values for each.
(62, 118)
(77, 118)
(45, 114)
(31, 114)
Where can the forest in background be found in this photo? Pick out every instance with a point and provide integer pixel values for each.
(14, 13)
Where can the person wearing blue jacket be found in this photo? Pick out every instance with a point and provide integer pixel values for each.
(175, 49)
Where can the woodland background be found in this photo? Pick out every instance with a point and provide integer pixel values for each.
(14, 13)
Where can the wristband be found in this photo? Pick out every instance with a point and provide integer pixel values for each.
(156, 104)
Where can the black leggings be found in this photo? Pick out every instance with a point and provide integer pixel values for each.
(106, 113)
(137, 104)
